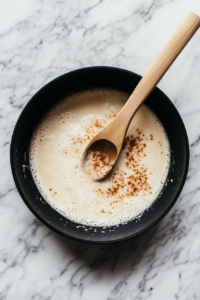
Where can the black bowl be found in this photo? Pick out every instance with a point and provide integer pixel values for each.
(91, 78)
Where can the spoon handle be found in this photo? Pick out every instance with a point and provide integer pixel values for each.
(160, 65)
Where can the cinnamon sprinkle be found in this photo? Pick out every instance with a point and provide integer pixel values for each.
(121, 184)
(97, 164)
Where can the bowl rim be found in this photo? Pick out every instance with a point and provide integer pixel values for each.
(48, 224)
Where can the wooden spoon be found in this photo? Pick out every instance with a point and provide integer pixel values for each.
(107, 144)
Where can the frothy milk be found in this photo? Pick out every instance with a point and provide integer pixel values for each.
(56, 150)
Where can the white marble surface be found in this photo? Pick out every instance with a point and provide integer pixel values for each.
(40, 40)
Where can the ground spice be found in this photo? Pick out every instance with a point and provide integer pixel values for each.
(122, 185)
(97, 164)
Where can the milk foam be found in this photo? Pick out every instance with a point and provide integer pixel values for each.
(57, 146)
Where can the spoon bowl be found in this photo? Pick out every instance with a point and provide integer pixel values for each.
(99, 158)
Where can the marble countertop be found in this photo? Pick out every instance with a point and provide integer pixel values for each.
(41, 40)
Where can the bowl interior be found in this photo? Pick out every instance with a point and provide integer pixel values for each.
(84, 79)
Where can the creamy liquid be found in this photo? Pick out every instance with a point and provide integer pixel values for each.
(56, 150)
